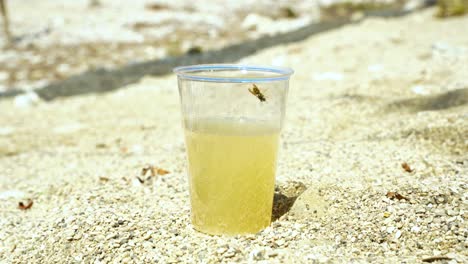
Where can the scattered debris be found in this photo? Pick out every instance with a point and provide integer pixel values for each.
(194, 50)
(154, 171)
(288, 12)
(103, 179)
(406, 167)
(434, 259)
(25, 206)
(149, 172)
(156, 7)
(393, 195)
(140, 179)
(101, 145)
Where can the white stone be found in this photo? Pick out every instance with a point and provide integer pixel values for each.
(397, 234)
(415, 229)
(419, 89)
(26, 100)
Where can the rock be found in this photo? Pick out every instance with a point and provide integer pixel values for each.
(452, 212)
(439, 212)
(257, 254)
(309, 204)
(419, 89)
(415, 229)
(231, 252)
(255, 21)
(221, 250)
(69, 235)
(420, 210)
(26, 100)
(397, 234)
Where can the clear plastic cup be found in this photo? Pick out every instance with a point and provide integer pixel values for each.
(232, 116)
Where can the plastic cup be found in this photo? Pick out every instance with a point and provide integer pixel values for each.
(232, 117)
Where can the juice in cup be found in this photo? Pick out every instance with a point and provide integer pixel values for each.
(232, 174)
(233, 116)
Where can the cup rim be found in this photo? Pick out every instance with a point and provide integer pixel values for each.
(188, 72)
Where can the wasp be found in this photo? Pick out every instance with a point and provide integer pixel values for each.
(257, 93)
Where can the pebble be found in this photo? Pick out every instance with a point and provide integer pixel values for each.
(397, 234)
(26, 100)
(111, 236)
(221, 250)
(257, 254)
(439, 211)
(280, 242)
(69, 235)
(148, 235)
(420, 210)
(452, 212)
(230, 253)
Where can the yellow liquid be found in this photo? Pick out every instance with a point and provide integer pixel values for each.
(232, 175)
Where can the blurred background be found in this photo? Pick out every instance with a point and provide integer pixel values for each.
(44, 41)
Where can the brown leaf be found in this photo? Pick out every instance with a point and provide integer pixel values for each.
(437, 258)
(393, 195)
(154, 171)
(406, 167)
(162, 171)
(103, 179)
(25, 206)
(156, 7)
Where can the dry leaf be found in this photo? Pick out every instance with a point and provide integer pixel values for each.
(103, 179)
(393, 195)
(406, 167)
(162, 171)
(156, 7)
(25, 206)
(154, 171)
(433, 259)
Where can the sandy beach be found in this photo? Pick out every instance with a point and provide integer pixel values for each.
(365, 99)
